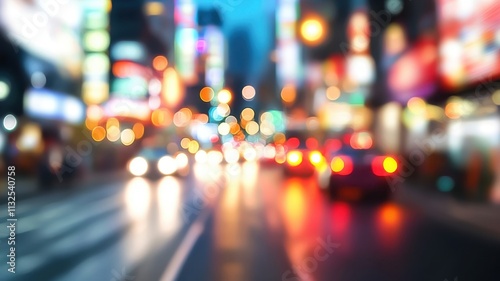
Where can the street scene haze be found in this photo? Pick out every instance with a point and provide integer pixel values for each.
(249, 140)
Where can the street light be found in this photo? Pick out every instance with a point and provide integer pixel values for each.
(313, 30)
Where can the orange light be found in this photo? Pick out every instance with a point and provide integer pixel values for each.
(160, 63)
(207, 94)
(138, 130)
(294, 158)
(288, 94)
(98, 133)
(341, 165)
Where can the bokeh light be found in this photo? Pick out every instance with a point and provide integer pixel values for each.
(224, 96)
(160, 63)
(288, 94)
(207, 94)
(248, 93)
(332, 93)
(247, 114)
(127, 137)
(252, 128)
(312, 30)
(98, 133)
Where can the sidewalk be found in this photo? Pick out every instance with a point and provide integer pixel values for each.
(27, 187)
(478, 218)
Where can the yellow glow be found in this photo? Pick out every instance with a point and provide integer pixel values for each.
(207, 94)
(185, 143)
(223, 110)
(452, 110)
(94, 113)
(153, 8)
(417, 105)
(316, 158)
(183, 117)
(312, 30)
(98, 133)
(224, 129)
(90, 124)
(496, 97)
(294, 158)
(224, 96)
(112, 122)
(279, 138)
(247, 114)
(390, 165)
(337, 164)
(113, 133)
(193, 147)
(161, 117)
(95, 92)
(252, 128)
(173, 90)
(127, 137)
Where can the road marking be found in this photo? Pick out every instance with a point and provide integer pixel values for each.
(185, 248)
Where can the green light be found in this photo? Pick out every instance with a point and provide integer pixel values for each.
(96, 41)
(445, 184)
(357, 98)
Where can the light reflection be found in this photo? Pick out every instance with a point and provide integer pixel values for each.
(169, 202)
(294, 207)
(137, 198)
(389, 224)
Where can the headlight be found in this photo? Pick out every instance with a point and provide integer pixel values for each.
(294, 158)
(181, 160)
(138, 166)
(167, 165)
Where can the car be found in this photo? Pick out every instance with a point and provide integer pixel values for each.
(356, 170)
(157, 161)
(302, 156)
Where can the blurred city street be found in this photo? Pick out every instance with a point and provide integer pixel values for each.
(238, 223)
(244, 140)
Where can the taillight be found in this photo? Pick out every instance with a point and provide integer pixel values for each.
(341, 165)
(315, 158)
(384, 165)
(294, 158)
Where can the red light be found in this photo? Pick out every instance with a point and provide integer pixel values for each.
(292, 143)
(312, 143)
(333, 145)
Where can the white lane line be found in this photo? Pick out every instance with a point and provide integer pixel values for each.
(185, 248)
